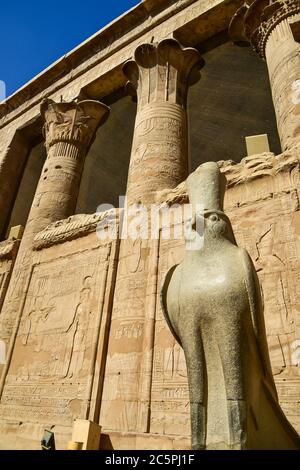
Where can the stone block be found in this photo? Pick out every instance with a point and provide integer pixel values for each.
(86, 432)
(257, 144)
(16, 232)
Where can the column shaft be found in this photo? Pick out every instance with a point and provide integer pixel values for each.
(159, 151)
(283, 60)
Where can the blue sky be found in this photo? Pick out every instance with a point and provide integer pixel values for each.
(33, 34)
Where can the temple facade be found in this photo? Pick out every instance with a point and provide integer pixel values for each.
(118, 123)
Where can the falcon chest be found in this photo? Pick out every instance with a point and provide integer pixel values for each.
(212, 285)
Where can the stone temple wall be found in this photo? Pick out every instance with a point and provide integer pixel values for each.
(90, 345)
(80, 313)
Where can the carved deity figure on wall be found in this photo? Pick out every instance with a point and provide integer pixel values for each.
(212, 304)
(77, 331)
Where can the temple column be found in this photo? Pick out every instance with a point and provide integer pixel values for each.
(266, 25)
(69, 131)
(160, 74)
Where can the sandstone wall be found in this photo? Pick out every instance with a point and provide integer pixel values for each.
(77, 282)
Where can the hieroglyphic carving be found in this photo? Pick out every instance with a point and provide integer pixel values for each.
(159, 142)
(169, 394)
(274, 249)
(113, 49)
(119, 408)
(49, 377)
(284, 71)
(9, 249)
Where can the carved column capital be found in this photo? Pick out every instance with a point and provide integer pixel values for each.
(162, 72)
(69, 130)
(73, 123)
(254, 23)
(270, 26)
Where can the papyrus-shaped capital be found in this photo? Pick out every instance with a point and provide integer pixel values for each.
(163, 71)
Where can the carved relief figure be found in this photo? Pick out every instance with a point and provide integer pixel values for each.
(213, 306)
(35, 319)
(77, 330)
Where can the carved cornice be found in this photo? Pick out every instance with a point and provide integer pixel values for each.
(249, 169)
(72, 123)
(254, 23)
(76, 226)
(9, 249)
(162, 71)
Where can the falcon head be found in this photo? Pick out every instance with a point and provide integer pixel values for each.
(213, 223)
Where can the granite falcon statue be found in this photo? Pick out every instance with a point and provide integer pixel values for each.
(212, 304)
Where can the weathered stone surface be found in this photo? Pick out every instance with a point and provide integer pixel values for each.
(87, 433)
(143, 441)
(8, 253)
(62, 330)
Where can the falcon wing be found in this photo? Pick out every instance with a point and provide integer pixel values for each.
(163, 300)
(257, 315)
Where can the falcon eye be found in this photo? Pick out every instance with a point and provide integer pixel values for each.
(213, 217)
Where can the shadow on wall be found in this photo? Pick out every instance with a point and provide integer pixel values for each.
(27, 188)
(105, 442)
(106, 167)
(232, 100)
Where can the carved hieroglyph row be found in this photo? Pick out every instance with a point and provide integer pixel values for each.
(283, 59)
(159, 153)
(169, 393)
(55, 354)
